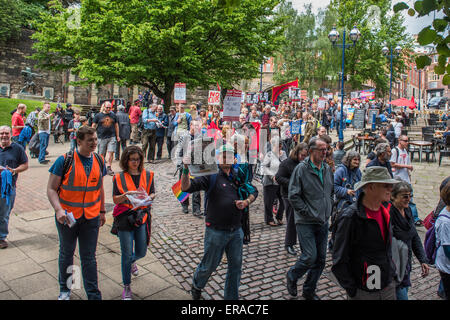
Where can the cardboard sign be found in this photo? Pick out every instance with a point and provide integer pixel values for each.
(355, 95)
(214, 98)
(304, 94)
(232, 105)
(265, 97)
(252, 98)
(350, 114)
(321, 103)
(294, 94)
(296, 127)
(179, 93)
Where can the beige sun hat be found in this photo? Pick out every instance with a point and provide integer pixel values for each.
(375, 175)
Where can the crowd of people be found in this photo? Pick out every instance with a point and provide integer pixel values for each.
(371, 215)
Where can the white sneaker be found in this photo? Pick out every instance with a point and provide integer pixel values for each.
(64, 296)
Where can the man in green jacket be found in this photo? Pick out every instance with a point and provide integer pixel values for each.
(310, 194)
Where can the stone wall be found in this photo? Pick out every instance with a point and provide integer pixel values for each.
(13, 59)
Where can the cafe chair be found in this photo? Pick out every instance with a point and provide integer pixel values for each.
(357, 144)
(431, 149)
(445, 150)
(426, 130)
(412, 150)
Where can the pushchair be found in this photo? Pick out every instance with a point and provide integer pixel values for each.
(58, 129)
(34, 146)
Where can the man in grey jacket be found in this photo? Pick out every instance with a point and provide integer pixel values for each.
(310, 194)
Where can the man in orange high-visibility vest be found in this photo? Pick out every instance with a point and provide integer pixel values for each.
(77, 187)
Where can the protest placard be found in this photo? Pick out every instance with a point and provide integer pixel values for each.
(321, 103)
(179, 93)
(232, 105)
(296, 127)
(214, 98)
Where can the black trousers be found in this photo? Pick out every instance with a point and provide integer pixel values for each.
(159, 143)
(121, 143)
(291, 233)
(170, 145)
(271, 193)
(445, 277)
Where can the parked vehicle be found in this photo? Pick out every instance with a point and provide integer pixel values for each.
(437, 102)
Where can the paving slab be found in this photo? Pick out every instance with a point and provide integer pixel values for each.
(32, 284)
(19, 269)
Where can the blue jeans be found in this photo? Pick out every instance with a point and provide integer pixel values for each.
(313, 243)
(43, 144)
(86, 232)
(413, 208)
(402, 293)
(139, 237)
(73, 144)
(215, 243)
(5, 210)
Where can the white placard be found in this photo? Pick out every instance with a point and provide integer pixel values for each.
(214, 98)
(179, 93)
(232, 105)
(321, 103)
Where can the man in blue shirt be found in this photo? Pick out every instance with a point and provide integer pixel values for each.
(149, 134)
(13, 159)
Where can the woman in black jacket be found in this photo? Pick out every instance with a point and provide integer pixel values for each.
(404, 230)
(297, 155)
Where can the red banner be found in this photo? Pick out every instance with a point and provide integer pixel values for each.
(276, 91)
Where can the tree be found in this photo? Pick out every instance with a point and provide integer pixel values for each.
(365, 62)
(436, 33)
(297, 54)
(156, 43)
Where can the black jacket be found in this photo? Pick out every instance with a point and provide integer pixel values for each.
(405, 230)
(284, 173)
(358, 245)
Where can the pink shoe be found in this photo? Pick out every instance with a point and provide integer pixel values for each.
(134, 270)
(127, 294)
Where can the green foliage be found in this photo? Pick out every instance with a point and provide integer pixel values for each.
(365, 61)
(433, 34)
(309, 55)
(306, 53)
(7, 105)
(156, 43)
(15, 14)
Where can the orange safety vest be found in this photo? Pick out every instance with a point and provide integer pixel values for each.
(80, 194)
(125, 183)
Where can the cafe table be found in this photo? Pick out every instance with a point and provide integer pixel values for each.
(421, 144)
(364, 139)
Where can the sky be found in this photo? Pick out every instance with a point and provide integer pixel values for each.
(413, 24)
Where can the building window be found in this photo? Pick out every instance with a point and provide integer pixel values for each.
(268, 67)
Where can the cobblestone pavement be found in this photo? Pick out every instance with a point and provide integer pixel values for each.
(28, 268)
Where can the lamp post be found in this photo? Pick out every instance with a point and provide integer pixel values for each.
(334, 36)
(388, 53)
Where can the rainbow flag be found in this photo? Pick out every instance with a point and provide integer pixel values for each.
(180, 195)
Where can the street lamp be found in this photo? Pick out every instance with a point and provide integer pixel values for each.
(334, 37)
(388, 53)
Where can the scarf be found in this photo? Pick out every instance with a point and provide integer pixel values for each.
(402, 228)
(245, 188)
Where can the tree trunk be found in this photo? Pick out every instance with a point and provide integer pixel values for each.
(167, 100)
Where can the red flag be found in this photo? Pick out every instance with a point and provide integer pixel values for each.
(218, 87)
(257, 126)
(276, 91)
